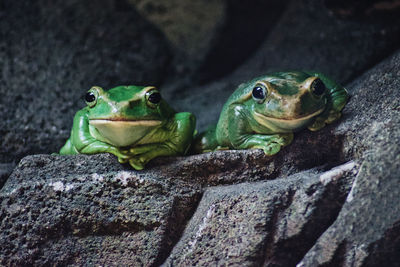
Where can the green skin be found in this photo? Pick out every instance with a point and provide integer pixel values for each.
(132, 124)
(293, 101)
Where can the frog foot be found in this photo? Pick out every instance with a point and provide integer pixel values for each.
(122, 155)
(270, 149)
(320, 122)
(138, 163)
(271, 144)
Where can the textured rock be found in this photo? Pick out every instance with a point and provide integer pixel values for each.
(89, 211)
(366, 232)
(259, 223)
(52, 52)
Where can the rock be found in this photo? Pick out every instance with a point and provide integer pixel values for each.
(366, 232)
(51, 53)
(90, 211)
(252, 224)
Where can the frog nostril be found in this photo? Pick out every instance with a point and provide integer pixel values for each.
(133, 103)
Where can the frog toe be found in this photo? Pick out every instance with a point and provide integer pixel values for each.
(136, 163)
(333, 116)
(270, 149)
(285, 139)
(318, 124)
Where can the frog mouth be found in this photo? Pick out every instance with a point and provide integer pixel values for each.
(285, 125)
(121, 133)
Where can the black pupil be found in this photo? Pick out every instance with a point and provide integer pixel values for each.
(155, 98)
(318, 87)
(258, 92)
(90, 97)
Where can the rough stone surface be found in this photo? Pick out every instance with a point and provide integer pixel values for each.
(56, 212)
(251, 224)
(366, 232)
(52, 52)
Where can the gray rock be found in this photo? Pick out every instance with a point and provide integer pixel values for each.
(90, 211)
(272, 223)
(366, 232)
(52, 52)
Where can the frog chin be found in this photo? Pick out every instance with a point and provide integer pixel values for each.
(285, 125)
(121, 133)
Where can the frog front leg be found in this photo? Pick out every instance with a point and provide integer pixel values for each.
(270, 144)
(243, 136)
(82, 142)
(179, 133)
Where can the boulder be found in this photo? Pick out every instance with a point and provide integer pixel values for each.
(269, 223)
(90, 211)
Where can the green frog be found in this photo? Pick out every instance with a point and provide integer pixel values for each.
(264, 112)
(132, 122)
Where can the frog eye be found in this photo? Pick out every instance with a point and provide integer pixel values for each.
(259, 93)
(91, 97)
(317, 87)
(153, 97)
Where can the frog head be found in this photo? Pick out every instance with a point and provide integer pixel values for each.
(286, 101)
(123, 115)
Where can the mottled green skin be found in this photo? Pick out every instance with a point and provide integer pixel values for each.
(289, 106)
(172, 136)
